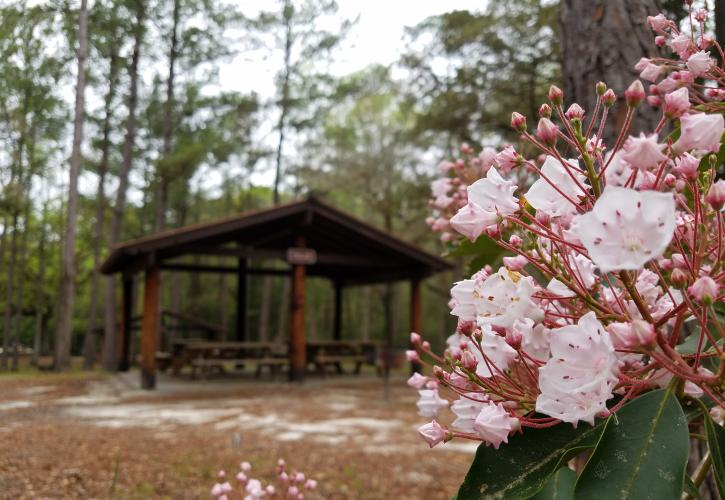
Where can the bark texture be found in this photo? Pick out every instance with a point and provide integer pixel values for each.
(602, 40)
(68, 272)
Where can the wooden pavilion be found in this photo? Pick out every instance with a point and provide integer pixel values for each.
(312, 237)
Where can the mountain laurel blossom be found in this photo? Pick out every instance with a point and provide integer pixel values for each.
(609, 283)
(626, 228)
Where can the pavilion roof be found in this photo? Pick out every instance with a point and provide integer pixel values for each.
(346, 247)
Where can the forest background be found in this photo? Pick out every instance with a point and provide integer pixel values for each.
(114, 124)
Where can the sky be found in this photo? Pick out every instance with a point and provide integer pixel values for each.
(376, 37)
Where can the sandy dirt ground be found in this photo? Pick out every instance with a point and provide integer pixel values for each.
(92, 436)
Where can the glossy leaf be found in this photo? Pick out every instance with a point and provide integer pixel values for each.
(559, 487)
(642, 453)
(716, 442)
(520, 468)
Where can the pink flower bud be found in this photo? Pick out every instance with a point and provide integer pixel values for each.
(270, 489)
(609, 98)
(677, 103)
(547, 131)
(466, 148)
(412, 356)
(678, 261)
(425, 345)
(658, 22)
(643, 334)
(634, 94)
(600, 88)
(669, 180)
(281, 463)
(574, 111)
(283, 477)
(300, 477)
(679, 278)
(477, 335)
(680, 185)
(704, 289)
(438, 372)
(515, 240)
(414, 338)
(432, 433)
(654, 101)
(311, 484)
(293, 491)
(417, 381)
(431, 384)
(241, 477)
(469, 361)
(556, 96)
(465, 327)
(518, 121)
(686, 165)
(716, 195)
(666, 264)
(545, 111)
(516, 263)
(660, 41)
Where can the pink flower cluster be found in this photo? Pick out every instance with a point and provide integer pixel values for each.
(615, 269)
(290, 486)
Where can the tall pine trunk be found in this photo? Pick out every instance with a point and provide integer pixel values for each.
(66, 299)
(89, 342)
(602, 40)
(109, 337)
(40, 312)
(284, 101)
(162, 179)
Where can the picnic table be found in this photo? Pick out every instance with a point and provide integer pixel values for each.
(205, 356)
(332, 353)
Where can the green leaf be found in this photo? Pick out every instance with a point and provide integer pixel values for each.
(520, 468)
(716, 442)
(559, 487)
(642, 453)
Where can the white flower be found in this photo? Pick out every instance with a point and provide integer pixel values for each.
(619, 171)
(472, 220)
(699, 63)
(494, 193)
(498, 353)
(544, 197)
(700, 131)
(643, 152)
(430, 403)
(560, 289)
(466, 408)
(534, 340)
(417, 381)
(505, 297)
(626, 228)
(577, 381)
(494, 424)
(463, 305)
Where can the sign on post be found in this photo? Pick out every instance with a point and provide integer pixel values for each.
(301, 256)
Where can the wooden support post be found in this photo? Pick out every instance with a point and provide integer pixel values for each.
(298, 345)
(337, 319)
(149, 328)
(242, 300)
(125, 330)
(416, 323)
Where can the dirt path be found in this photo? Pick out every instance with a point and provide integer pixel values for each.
(102, 438)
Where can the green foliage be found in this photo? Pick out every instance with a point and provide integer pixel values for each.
(716, 442)
(520, 468)
(642, 453)
(560, 486)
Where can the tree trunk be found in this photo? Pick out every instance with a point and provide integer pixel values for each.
(284, 101)
(10, 277)
(720, 22)
(39, 290)
(109, 343)
(602, 40)
(66, 300)
(162, 180)
(89, 342)
(17, 320)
